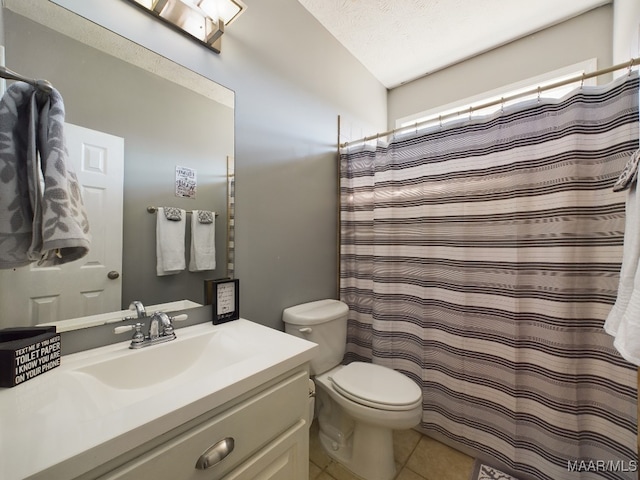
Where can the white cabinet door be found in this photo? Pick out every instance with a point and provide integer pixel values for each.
(83, 287)
(286, 458)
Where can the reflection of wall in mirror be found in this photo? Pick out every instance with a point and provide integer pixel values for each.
(163, 124)
(231, 217)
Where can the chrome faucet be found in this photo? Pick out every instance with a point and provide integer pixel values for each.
(160, 326)
(139, 308)
(160, 330)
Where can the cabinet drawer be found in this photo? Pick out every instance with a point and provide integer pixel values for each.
(286, 458)
(251, 424)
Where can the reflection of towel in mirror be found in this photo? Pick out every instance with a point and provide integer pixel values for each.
(170, 243)
(42, 217)
(203, 241)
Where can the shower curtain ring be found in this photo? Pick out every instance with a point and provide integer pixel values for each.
(539, 93)
(470, 112)
(582, 81)
(630, 65)
(440, 120)
(501, 105)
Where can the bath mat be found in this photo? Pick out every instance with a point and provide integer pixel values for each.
(482, 471)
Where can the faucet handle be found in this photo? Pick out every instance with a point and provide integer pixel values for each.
(127, 328)
(122, 329)
(168, 330)
(138, 336)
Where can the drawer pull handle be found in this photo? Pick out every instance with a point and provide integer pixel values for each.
(215, 453)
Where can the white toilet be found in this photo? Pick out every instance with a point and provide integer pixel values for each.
(357, 405)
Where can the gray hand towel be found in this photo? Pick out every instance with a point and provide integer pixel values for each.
(42, 217)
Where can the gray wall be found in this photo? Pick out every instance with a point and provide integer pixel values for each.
(163, 124)
(292, 79)
(573, 41)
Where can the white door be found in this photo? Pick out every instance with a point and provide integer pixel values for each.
(92, 284)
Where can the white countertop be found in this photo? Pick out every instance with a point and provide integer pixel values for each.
(62, 424)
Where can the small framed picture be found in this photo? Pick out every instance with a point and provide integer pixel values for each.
(224, 296)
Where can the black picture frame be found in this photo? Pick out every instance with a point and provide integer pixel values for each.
(214, 290)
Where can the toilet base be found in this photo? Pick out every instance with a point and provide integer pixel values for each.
(368, 453)
(357, 436)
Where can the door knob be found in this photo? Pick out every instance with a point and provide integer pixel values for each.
(113, 275)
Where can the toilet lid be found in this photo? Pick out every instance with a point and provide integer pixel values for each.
(377, 386)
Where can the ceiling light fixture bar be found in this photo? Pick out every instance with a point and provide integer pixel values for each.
(203, 20)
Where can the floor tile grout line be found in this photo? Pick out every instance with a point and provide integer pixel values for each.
(404, 465)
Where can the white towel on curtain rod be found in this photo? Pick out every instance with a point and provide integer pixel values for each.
(623, 321)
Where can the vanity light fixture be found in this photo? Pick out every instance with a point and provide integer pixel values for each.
(204, 20)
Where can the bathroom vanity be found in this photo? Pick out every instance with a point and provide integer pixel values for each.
(220, 402)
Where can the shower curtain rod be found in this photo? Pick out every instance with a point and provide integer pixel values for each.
(583, 77)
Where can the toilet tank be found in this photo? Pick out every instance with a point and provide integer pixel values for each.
(323, 322)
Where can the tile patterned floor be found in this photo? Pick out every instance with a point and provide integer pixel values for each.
(417, 458)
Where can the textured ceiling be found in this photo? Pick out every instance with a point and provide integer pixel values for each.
(401, 40)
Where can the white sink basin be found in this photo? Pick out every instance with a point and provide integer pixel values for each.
(188, 356)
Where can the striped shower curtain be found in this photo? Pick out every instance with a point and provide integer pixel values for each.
(481, 260)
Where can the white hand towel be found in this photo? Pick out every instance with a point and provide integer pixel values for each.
(627, 339)
(203, 241)
(624, 319)
(170, 243)
(630, 258)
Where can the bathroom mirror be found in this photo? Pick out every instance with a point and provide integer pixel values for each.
(168, 116)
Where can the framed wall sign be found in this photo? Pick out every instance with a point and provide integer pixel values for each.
(224, 296)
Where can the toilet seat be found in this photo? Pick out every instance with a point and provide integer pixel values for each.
(376, 386)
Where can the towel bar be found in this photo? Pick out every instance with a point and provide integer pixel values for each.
(42, 85)
(152, 209)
